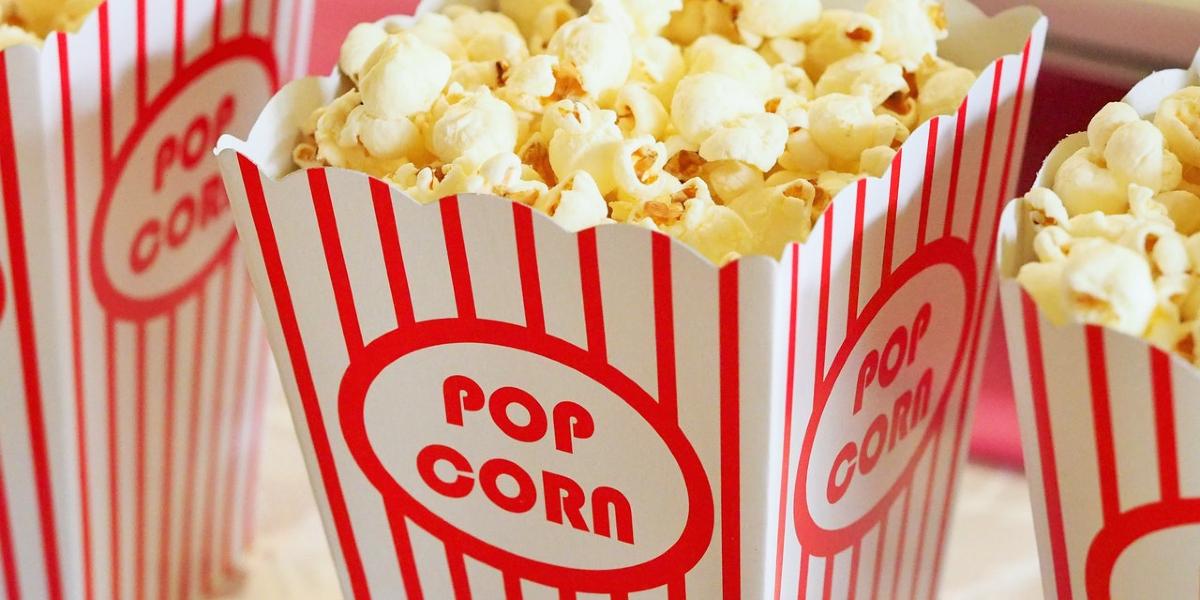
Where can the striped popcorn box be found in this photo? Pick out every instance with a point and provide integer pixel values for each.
(492, 407)
(1110, 428)
(132, 358)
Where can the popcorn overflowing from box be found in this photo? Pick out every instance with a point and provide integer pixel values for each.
(131, 353)
(1100, 303)
(483, 380)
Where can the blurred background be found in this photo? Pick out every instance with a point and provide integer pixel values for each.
(1096, 51)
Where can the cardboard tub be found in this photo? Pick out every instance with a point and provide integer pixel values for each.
(1110, 428)
(493, 407)
(132, 359)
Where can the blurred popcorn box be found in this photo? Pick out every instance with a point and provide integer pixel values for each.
(131, 355)
(493, 407)
(1110, 428)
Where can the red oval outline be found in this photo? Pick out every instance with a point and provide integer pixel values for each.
(684, 554)
(1112, 541)
(816, 539)
(117, 303)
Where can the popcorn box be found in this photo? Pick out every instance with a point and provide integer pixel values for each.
(1110, 428)
(494, 407)
(131, 355)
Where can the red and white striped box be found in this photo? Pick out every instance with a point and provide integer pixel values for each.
(1110, 427)
(492, 407)
(132, 359)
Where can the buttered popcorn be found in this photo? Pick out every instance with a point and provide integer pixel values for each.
(28, 21)
(1117, 235)
(729, 124)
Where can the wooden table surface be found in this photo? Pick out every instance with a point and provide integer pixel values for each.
(991, 553)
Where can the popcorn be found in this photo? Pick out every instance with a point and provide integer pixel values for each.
(1108, 284)
(705, 102)
(841, 33)
(1086, 186)
(576, 203)
(944, 92)
(1183, 208)
(757, 140)
(360, 44)
(761, 19)
(659, 65)
(41, 17)
(13, 36)
(1178, 118)
(404, 76)
(584, 140)
(640, 112)
(596, 54)
(1112, 117)
(777, 216)
(911, 29)
(695, 118)
(1136, 153)
(715, 54)
(475, 129)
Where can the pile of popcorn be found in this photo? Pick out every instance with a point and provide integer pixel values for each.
(28, 21)
(1118, 237)
(729, 124)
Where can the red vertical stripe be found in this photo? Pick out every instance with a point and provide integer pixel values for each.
(1164, 416)
(664, 326)
(856, 254)
(23, 306)
(72, 212)
(933, 463)
(826, 277)
(927, 188)
(456, 252)
(106, 93)
(254, 447)
(304, 379)
(1045, 442)
(393, 256)
(986, 162)
(180, 35)
(901, 539)
(790, 396)
(565, 594)
(335, 261)
(593, 302)
(8, 557)
(193, 439)
(1102, 420)
(458, 575)
(802, 586)
(827, 584)
(241, 403)
(139, 467)
(114, 474)
(220, 402)
(168, 476)
(404, 552)
(143, 62)
(955, 166)
(879, 545)
(855, 559)
(731, 461)
(512, 587)
(217, 16)
(531, 283)
(889, 234)
(676, 590)
(247, 16)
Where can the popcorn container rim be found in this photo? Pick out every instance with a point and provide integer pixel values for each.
(1015, 239)
(1018, 19)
